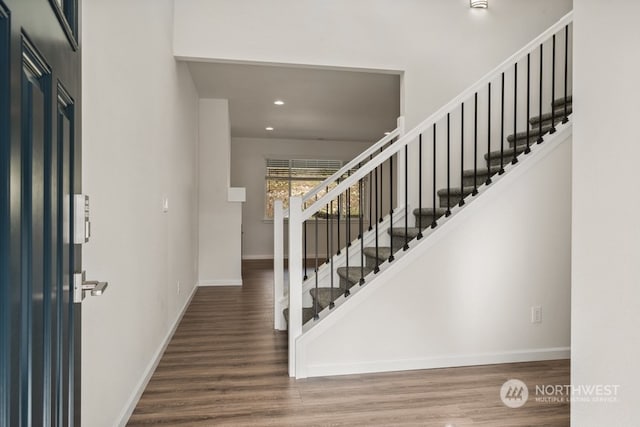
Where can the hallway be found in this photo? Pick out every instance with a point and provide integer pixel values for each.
(227, 366)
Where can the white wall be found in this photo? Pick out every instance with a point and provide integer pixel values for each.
(464, 295)
(606, 236)
(139, 145)
(442, 46)
(219, 219)
(248, 169)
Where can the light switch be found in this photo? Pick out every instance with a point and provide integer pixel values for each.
(165, 204)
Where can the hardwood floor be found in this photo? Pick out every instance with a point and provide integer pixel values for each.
(227, 366)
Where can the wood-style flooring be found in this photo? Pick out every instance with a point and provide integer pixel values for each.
(227, 366)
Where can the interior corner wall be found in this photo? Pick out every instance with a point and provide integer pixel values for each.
(248, 169)
(606, 242)
(139, 146)
(442, 46)
(220, 221)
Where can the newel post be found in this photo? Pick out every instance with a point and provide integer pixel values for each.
(295, 279)
(278, 266)
(400, 165)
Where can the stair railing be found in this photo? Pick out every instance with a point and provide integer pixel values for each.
(280, 214)
(447, 144)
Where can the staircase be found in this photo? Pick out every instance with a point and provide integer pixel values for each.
(409, 182)
(324, 297)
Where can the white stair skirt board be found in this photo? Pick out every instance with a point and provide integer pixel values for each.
(445, 361)
(221, 282)
(153, 364)
(309, 363)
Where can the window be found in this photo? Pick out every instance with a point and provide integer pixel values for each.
(287, 178)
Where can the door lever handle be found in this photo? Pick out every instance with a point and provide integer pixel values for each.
(96, 288)
(82, 287)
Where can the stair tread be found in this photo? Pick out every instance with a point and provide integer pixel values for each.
(429, 212)
(456, 191)
(399, 232)
(481, 171)
(384, 252)
(307, 314)
(324, 295)
(508, 153)
(547, 117)
(353, 274)
(562, 101)
(533, 133)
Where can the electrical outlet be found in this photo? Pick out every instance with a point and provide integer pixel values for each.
(536, 314)
(178, 287)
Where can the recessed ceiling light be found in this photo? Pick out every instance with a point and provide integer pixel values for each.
(269, 128)
(480, 4)
(278, 102)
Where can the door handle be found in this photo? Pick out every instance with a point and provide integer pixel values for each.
(81, 287)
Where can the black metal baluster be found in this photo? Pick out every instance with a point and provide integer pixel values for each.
(360, 227)
(475, 145)
(461, 202)
(540, 138)
(360, 183)
(329, 218)
(515, 114)
(381, 189)
(553, 87)
(315, 301)
(565, 119)
(347, 215)
(339, 209)
(528, 149)
(448, 213)
(304, 231)
(406, 197)
(420, 186)
(488, 181)
(391, 257)
(377, 268)
(316, 253)
(331, 303)
(501, 128)
(434, 224)
(370, 197)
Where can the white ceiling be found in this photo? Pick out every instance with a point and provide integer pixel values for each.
(319, 103)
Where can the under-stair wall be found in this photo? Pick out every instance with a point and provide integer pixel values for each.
(465, 296)
(505, 120)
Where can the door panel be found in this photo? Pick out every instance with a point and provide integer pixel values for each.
(65, 114)
(39, 173)
(5, 296)
(36, 227)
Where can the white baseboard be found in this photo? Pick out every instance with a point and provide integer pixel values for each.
(220, 282)
(153, 364)
(270, 256)
(257, 257)
(534, 355)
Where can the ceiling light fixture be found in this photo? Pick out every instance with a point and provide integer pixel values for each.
(480, 4)
(269, 128)
(278, 102)
(386, 133)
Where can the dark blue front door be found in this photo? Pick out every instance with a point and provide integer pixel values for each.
(39, 173)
